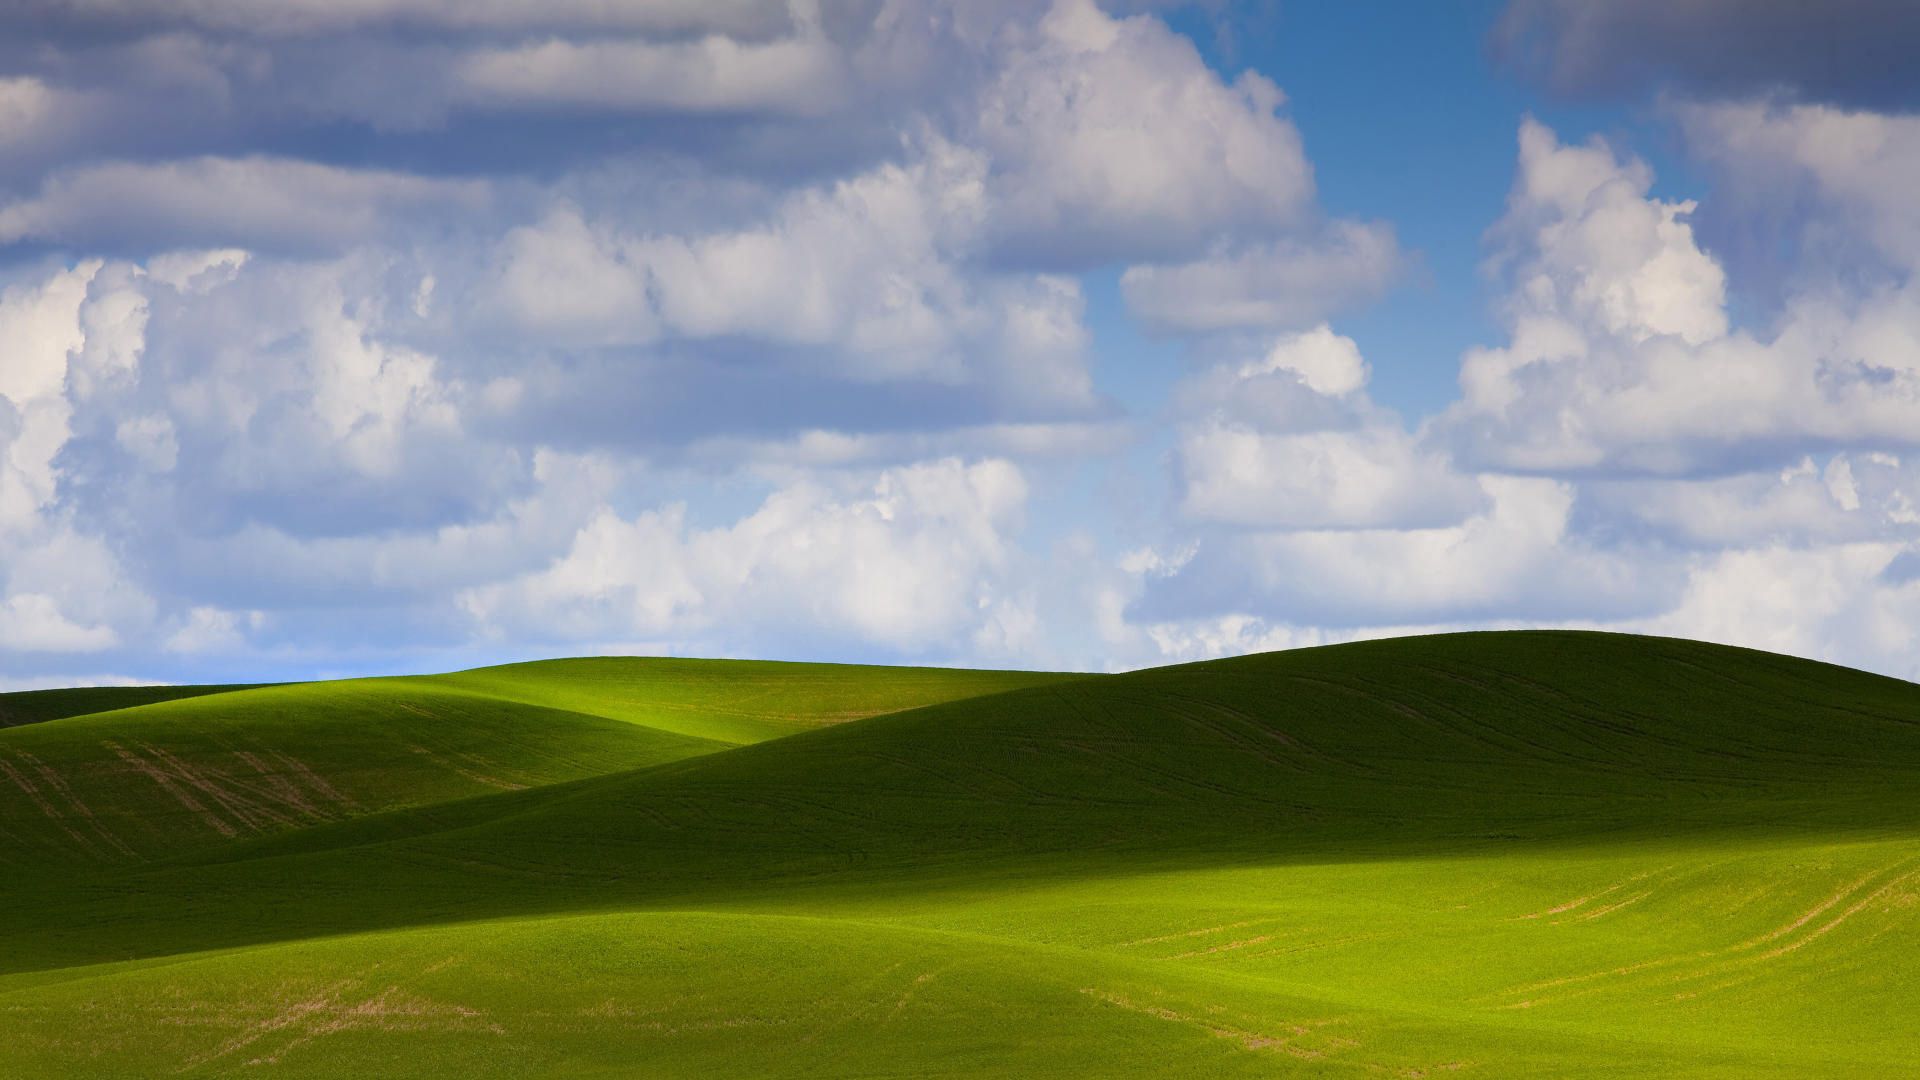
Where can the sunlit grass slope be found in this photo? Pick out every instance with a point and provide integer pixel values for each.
(122, 775)
(1485, 855)
(731, 701)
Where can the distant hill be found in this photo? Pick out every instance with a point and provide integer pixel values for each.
(34, 706)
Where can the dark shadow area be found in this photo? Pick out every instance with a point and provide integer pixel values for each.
(37, 706)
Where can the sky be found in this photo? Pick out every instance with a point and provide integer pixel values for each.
(349, 337)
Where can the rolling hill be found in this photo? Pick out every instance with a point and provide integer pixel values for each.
(1513, 854)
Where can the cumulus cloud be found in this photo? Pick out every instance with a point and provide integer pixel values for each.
(34, 622)
(300, 17)
(1691, 476)
(60, 591)
(1833, 602)
(1323, 361)
(1847, 497)
(253, 202)
(374, 328)
(1290, 440)
(26, 109)
(1321, 479)
(346, 473)
(1841, 180)
(208, 433)
(1314, 479)
(1622, 356)
(826, 448)
(1111, 139)
(875, 266)
(802, 75)
(1517, 559)
(777, 86)
(273, 393)
(906, 564)
(210, 629)
(1285, 283)
(1588, 245)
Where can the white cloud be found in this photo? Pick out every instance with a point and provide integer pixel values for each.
(1856, 168)
(150, 440)
(906, 565)
(718, 390)
(255, 201)
(26, 106)
(1830, 602)
(560, 277)
(824, 448)
(1111, 139)
(1289, 282)
(1592, 248)
(1364, 478)
(416, 572)
(1851, 497)
(287, 395)
(1325, 361)
(66, 592)
(866, 262)
(1840, 484)
(803, 75)
(1621, 356)
(875, 267)
(196, 271)
(33, 622)
(42, 327)
(299, 17)
(210, 629)
(1668, 507)
(369, 396)
(175, 432)
(1290, 441)
(1516, 558)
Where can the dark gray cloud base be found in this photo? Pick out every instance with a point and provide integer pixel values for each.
(1845, 52)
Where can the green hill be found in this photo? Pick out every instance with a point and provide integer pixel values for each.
(34, 706)
(129, 775)
(1514, 854)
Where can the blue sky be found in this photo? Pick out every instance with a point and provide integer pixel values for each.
(414, 334)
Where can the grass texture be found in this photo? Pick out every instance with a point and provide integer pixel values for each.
(1484, 855)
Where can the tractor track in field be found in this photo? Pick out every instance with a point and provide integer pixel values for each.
(1863, 890)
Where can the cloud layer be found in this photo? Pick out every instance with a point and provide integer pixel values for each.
(408, 333)
(1847, 52)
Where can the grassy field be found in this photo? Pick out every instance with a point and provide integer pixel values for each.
(1518, 854)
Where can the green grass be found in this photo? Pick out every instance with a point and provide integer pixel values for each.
(34, 706)
(1512, 854)
(731, 701)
